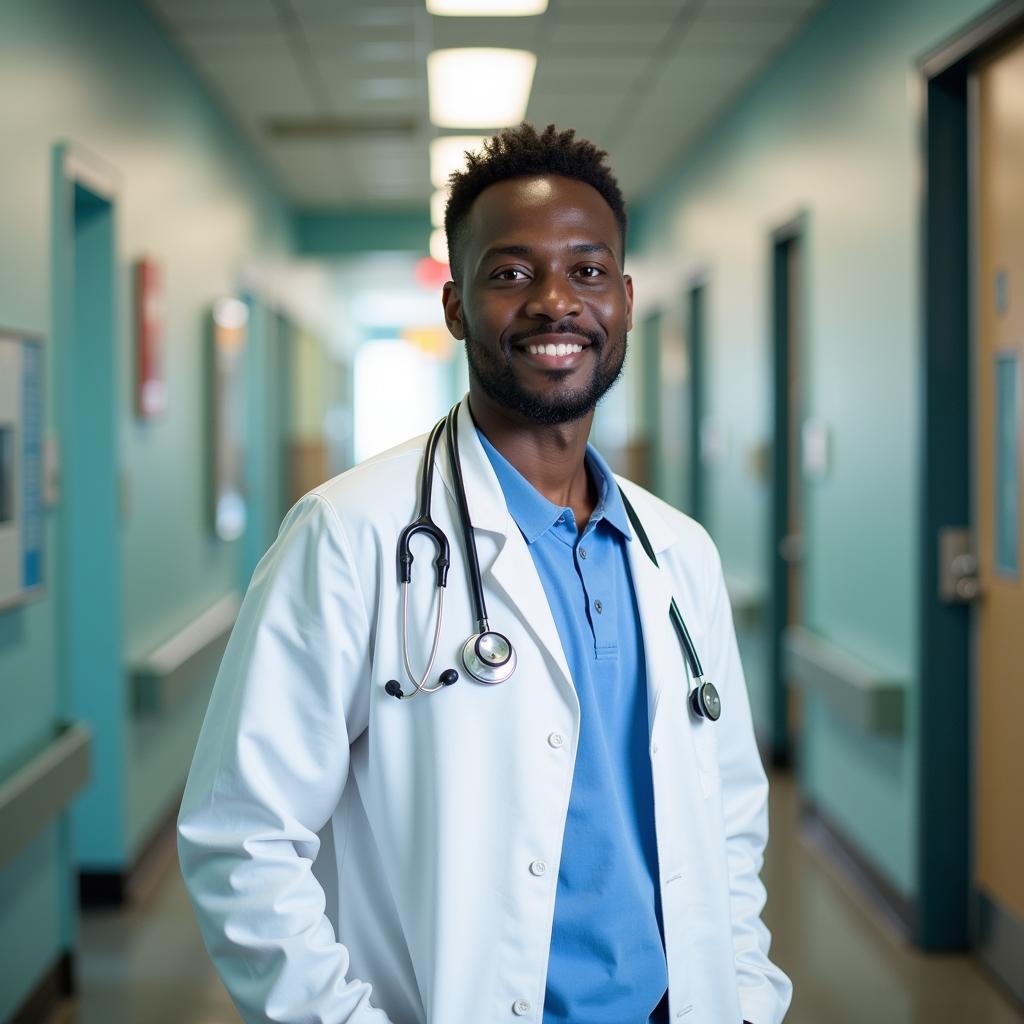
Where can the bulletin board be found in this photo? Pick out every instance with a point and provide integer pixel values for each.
(21, 468)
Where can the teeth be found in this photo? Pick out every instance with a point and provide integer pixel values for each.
(553, 350)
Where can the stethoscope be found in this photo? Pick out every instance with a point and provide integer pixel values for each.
(488, 656)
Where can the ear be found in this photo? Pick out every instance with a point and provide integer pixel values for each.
(628, 281)
(452, 302)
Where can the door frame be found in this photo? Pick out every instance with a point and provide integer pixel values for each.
(794, 229)
(97, 823)
(695, 312)
(942, 919)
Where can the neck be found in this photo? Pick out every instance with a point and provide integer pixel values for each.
(550, 456)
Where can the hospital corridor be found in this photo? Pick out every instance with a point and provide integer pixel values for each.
(687, 337)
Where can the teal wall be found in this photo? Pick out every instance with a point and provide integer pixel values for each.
(831, 129)
(340, 232)
(192, 197)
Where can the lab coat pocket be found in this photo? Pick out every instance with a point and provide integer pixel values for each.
(706, 749)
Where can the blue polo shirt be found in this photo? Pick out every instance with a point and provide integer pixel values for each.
(607, 961)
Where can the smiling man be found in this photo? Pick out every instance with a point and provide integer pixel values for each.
(581, 843)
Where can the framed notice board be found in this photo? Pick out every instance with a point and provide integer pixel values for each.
(21, 467)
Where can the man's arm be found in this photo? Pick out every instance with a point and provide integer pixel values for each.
(270, 766)
(764, 991)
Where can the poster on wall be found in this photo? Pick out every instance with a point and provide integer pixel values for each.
(227, 416)
(21, 468)
(150, 387)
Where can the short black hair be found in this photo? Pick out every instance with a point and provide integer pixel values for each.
(522, 152)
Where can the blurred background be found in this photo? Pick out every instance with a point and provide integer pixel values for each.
(220, 285)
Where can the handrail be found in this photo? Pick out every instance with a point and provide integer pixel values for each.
(33, 795)
(160, 678)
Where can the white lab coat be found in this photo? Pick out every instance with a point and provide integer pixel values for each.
(356, 858)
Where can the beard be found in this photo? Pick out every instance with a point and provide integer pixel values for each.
(492, 370)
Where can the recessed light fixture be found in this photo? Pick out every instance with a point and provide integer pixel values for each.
(487, 8)
(480, 87)
(439, 245)
(448, 153)
(438, 201)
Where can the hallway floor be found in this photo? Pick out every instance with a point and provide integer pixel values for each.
(147, 965)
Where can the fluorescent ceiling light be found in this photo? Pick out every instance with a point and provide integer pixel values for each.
(448, 153)
(479, 87)
(438, 201)
(487, 8)
(439, 245)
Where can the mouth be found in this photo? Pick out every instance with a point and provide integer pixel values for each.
(554, 351)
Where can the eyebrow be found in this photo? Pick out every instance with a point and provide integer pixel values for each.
(579, 249)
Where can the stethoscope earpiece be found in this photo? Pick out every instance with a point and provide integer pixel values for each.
(447, 677)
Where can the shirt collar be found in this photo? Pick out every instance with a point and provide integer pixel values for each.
(535, 515)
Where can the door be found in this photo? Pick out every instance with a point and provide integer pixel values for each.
(998, 427)
(88, 406)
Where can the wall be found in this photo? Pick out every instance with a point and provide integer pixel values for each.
(831, 129)
(191, 196)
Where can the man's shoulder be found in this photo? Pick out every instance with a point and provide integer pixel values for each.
(666, 525)
(376, 484)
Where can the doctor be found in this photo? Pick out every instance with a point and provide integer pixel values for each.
(575, 843)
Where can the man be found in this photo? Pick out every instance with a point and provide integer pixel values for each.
(574, 844)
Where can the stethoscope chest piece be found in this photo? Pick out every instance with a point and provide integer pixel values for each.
(705, 701)
(489, 657)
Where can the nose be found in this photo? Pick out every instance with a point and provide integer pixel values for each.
(552, 298)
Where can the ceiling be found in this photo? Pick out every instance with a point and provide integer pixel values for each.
(333, 92)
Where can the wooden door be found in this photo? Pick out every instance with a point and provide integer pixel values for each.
(998, 429)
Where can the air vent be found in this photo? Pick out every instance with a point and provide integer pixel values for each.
(337, 128)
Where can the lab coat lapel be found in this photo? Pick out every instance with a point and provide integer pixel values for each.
(654, 596)
(511, 567)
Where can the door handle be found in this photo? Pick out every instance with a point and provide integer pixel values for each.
(958, 567)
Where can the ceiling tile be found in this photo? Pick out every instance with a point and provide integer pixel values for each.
(260, 87)
(714, 36)
(601, 70)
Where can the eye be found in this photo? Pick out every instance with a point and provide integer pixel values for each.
(589, 271)
(506, 274)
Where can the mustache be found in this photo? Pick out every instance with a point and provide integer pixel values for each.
(593, 337)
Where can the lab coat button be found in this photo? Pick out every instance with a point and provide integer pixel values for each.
(654, 749)
(556, 739)
(521, 1007)
(538, 867)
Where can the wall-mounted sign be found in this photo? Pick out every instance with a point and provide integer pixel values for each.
(150, 387)
(21, 468)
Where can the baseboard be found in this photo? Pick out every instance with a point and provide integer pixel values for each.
(136, 882)
(999, 943)
(56, 984)
(829, 839)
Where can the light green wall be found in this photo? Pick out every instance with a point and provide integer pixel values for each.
(832, 129)
(192, 197)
